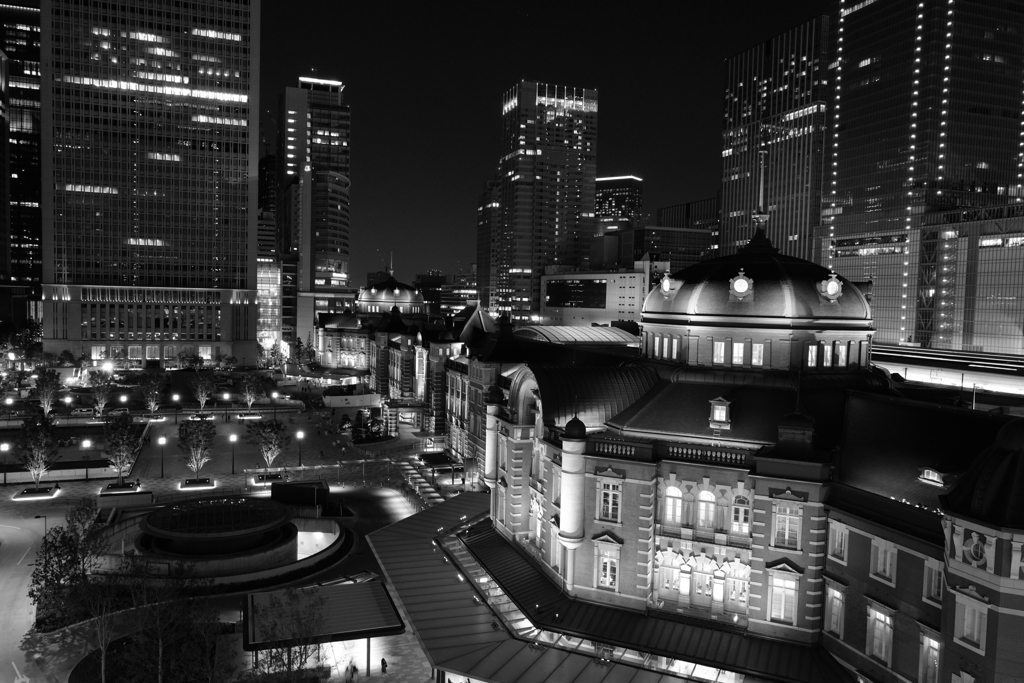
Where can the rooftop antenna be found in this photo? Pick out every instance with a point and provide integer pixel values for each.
(760, 217)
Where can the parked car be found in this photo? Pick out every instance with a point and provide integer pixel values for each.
(118, 411)
(249, 416)
(154, 418)
(82, 412)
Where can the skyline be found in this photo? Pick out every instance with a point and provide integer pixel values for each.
(426, 201)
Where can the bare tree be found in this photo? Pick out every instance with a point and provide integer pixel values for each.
(37, 449)
(152, 387)
(202, 388)
(48, 385)
(295, 615)
(270, 437)
(252, 389)
(195, 437)
(102, 387)
(121, 444)
(103, 597)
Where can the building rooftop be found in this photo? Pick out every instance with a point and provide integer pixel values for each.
(577, 334)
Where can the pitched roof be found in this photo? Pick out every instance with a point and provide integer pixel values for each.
(695, 641)
(595, 394)
(577, 334)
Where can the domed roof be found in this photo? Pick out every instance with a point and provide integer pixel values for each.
(758, 281)
(389, 293)
(575, 429)
(991, 490)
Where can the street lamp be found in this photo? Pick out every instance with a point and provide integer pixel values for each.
(10, 401)
(299, 436)
(273, 396)
(108, 367)
(4, 447)
(162, 441)
(233, 438)
(176, 398)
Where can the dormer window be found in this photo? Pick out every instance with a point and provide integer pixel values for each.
(720, 417)
(930, 475)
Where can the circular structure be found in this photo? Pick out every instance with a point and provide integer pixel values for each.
(575, 429)
(216, 526)
(757, 282)
(382, 296)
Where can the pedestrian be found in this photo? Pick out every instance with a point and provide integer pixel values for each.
(384, 667)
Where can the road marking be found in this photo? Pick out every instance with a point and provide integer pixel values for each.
(23, 556)
(18, 677)
(10, 527)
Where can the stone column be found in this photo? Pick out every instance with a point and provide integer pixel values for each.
(491, 447)
(573, 505)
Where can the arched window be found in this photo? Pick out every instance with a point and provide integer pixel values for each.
(673, 505)
(740, 515)
(706, 510)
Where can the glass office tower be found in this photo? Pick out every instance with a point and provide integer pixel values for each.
(776, 97)
(927, 118)
(149, 178)
(544, 200)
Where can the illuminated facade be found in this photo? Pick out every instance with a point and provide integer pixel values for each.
(948, 78)
(22, 265)
(313, 218)
(593, 298)
(149, 180)
(749, 501)
(775, 102)
(542, 205)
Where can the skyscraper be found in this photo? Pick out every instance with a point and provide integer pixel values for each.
(544, 192)
(927, 118)
(149, 178)
(313, 208)
(775, 102)
(620, 198)
(22, 234)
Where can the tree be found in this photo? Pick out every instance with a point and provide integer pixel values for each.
(190, 361)
(252, 388)
(295, 615)
(310, 348)
(276, 356)
(102, 387)
(64, 559)
(345, 422)
(121, 444)
(48, 385)
(67, 359)
(269, 436)
(298, 350)
(202, 389)
(103, 599)
(37, 448)
(195, 437)
(376, 427)
(27, 342)
(152, 387)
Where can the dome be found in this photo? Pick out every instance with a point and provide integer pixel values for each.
(991, 490)
(390, 293)
(575, 429)
(757, 281)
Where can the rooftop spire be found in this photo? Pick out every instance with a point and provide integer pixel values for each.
(760, 217)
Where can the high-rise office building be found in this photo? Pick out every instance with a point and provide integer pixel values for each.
(620, 198)
(543, 197)
(313, 207)
(21, 239)
(700, 214)
(150, 134)
(776, 97)
(927, 118)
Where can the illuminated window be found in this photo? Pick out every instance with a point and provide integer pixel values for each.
(719, 413)
(841, 355)
(838, 538)
(783, 598)
(835, 604)
(757, 354)
(737, 353)
(673, 505)
(609, 572)
(740, 515)
(611, 496)
(928, 670)
(706, 510)
(826, 355)
(932, 588)
(719, 352)
(879, 640)
(787, 525)
(812, 356)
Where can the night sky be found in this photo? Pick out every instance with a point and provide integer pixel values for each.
(425, 87)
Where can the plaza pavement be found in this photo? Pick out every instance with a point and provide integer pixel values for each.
(35, 658)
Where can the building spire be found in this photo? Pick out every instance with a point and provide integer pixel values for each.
(760, 217)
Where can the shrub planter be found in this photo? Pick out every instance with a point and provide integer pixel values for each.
(197, 484)
(41, 493)
(267, 479)
(127, 487)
